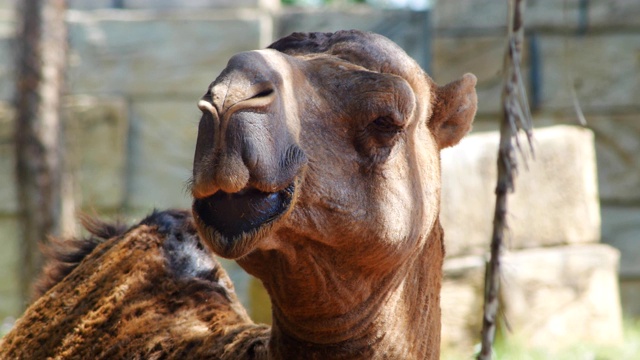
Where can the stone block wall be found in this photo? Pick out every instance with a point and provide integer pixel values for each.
(555, 201)
(551, 297)
(591, 47)
(560, 284)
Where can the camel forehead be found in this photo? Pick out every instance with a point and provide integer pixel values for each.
(371, 51)
(272, 59)
(353, 51)
(285, 64)
(362, 86)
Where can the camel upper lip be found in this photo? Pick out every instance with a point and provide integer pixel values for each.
(232, 215)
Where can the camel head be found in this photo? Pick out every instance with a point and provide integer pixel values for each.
(317, 167)
(330, 138)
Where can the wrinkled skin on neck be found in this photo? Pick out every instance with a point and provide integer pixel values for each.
(317, 168)
(326, 310)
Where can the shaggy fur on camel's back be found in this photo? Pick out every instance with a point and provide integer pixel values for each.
(149, 292)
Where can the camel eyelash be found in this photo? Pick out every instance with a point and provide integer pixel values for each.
(386, 124)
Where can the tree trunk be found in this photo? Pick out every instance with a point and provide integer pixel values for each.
(41, 48)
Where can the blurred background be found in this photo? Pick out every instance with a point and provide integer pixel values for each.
(116, 120)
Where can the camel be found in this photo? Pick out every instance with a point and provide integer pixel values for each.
(152, 291)
(317, 168)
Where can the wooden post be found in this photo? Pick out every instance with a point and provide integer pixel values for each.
(41, 49)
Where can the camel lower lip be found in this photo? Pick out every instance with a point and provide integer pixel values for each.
(234, 214)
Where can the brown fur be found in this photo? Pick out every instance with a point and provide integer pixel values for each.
(317, 167)
(135, 297)
(64, 255)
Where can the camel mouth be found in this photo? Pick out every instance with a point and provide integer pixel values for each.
(227, 221)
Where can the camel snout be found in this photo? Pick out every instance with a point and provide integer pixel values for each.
(246, 138)
(241, 94)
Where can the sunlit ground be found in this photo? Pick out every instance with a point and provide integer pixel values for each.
(515, 350)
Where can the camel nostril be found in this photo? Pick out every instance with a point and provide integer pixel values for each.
(263, 93)
(256, 97)
(260, 89)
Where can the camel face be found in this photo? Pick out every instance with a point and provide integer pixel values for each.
(330, 139)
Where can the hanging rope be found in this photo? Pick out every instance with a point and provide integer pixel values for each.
(515, 117)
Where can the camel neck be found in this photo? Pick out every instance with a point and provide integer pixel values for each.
(347, 315)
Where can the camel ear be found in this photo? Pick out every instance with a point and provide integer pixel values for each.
(454, 108)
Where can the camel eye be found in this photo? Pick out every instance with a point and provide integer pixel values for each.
(384, 129)
(386, 124)
(377, 138)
